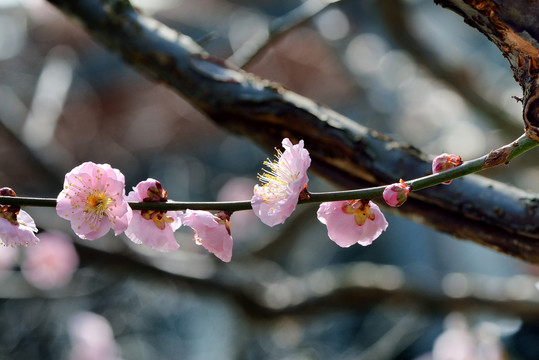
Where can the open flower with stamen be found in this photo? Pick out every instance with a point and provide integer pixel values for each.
(151, 227)
(283, 184)
(211, 231)
(350, 222)
(445, 162)
(17, 228)
(93, 199)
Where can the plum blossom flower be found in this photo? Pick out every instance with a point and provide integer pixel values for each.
(211, 231)
(350, 222)
(51, 263)
(283, 184)
(94, 201)
(396, 194)
(445, 162)
(150, 227)
(16, 226)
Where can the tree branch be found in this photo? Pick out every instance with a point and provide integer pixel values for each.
(394, 15)
(512, 26)
(485, 211)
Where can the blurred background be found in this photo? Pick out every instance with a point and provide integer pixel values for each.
(408, 69)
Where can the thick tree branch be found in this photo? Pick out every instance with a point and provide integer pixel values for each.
(512, 26)
(481, 210)
(394, 14)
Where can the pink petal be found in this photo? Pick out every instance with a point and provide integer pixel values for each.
(213, 236)
(18, 235)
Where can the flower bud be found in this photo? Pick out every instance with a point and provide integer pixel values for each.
(445, 162)
(396, 194)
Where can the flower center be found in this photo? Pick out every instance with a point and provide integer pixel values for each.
(275, 180)
(360, 209)
(97, 203)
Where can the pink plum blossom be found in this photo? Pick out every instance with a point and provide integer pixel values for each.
(283, 184)
(350, 222)
(16, 226)
(94, 201)
(445, 162)
(149, 227)
(52, 262)
(211, 231)
(396, 194)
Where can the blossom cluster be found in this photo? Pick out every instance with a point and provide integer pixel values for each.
(94, 200)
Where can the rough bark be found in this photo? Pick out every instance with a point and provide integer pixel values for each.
(512, 26)
(484, 211)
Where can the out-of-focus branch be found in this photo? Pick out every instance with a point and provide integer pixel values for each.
(394, 13)
(262, 292)
(512, 26)
(487, 212)
(252, 48)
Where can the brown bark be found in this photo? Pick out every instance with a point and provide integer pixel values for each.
(512, 26)
(484, 211)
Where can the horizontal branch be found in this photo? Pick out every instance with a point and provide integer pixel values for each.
(488, 212)
(348, 286)
(494, 158)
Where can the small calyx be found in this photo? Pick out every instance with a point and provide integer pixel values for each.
(156, 194)
(9, 212)
(223, 218)
(360, 209)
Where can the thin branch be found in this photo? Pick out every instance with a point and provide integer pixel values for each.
(253, 47)
(494, 158)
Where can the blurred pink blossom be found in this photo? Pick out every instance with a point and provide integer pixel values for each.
(211, 231)
(283, 184)
(396, 194)
(350, 222)
(153, 228)
(94, 201)
(246, 224)
(52, 262)
(8, 258)
(459, 342)
(445, 162)
(92, 338)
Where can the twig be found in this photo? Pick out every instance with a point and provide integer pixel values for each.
(501, 156)
(252, 48)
